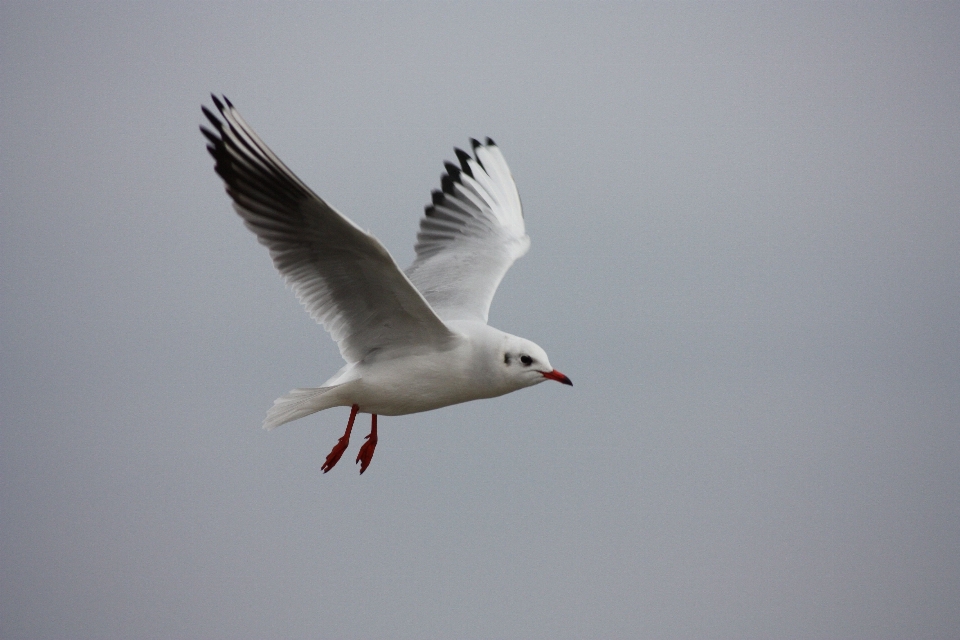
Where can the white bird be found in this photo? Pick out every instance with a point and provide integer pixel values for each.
(413, 340)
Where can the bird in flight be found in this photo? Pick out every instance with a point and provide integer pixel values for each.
(413, 340)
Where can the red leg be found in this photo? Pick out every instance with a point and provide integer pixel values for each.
(366, 451)
(334, 456)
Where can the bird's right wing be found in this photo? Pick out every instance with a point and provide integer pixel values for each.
(470, 235)
(343, 276)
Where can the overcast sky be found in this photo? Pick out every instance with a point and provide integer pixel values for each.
(745, 225)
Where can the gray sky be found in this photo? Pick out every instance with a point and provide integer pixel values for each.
(746, 255)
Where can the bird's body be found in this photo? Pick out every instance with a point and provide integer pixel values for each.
(426, 380)
(413, 341)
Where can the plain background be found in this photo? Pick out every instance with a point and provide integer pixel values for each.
(746, 255)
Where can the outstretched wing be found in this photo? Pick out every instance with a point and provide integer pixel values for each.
(469, 236)
(343, 276)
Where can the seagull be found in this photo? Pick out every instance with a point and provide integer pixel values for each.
(413, 340)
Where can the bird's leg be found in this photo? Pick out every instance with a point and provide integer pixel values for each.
(366, 451)
(334, 456)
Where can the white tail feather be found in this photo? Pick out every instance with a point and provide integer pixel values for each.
(297, 404)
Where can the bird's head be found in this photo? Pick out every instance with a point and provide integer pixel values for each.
(525, 364)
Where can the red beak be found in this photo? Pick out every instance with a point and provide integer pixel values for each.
(556, 375)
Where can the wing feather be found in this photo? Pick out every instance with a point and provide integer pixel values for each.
(341, 274)
(470, 235)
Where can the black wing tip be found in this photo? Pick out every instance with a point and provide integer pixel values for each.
(453, 171)
(210, 114)
(446, 184)
(476, 144)
(490, 142)
(437, 197)
(464, 159)
(210, 135)
(219, 102)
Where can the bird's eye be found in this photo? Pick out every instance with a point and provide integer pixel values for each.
(506, 358)
(526, 360)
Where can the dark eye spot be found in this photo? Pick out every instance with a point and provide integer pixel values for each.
(526, 360)
(506, 358)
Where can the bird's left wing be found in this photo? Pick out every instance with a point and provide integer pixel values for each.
(343, 276)
(469, 235)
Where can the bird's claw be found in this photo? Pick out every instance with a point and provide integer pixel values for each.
(334, 456)
(366, 451)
